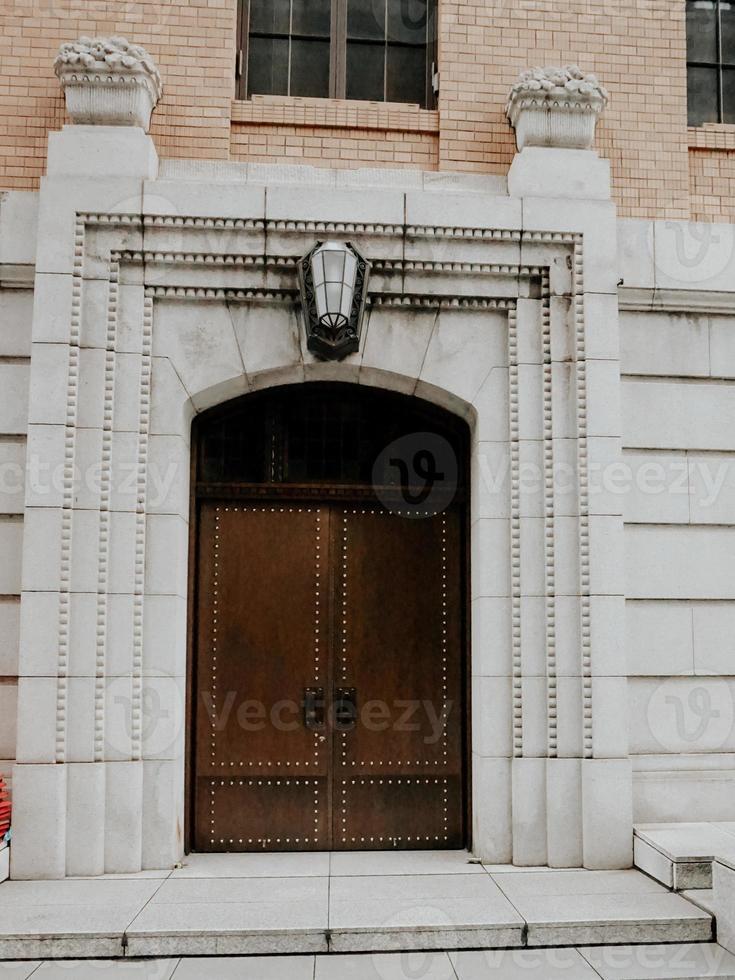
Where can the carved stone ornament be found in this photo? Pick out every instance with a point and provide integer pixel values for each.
(333, 279)
(108, 82)
(555, 107)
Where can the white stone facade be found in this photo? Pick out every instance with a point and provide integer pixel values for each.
(590, 356)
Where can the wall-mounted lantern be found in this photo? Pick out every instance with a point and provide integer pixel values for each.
(333, 278)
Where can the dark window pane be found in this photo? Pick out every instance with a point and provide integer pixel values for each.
(310, 68)
(268, 66)
(728, 96)
(365, 71)
(312, 17)
(406, 74)
(366, 19)
(727, 32)
(701, 31)
(702, 95)
(407, 21)
(270, 16)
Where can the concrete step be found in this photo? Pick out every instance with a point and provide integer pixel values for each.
(680, 855)
(241, 908)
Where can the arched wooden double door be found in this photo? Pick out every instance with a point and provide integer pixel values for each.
(330, 706)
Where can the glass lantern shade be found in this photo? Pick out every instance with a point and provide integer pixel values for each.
(333, 278)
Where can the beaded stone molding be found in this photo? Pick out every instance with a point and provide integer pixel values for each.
(555, 107)
(221, 257)
(108, 82)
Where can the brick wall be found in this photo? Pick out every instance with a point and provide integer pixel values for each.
(193, 42)
(636, 46)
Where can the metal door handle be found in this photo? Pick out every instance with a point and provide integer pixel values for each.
(314, 708)
(345, 708)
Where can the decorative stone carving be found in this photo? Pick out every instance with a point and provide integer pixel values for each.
(555, 107)
(108, 82)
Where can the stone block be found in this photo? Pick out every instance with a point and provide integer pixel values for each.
(529, 812)
(491, 810)
(123, 810)
(14, 383)
(163, 813)
(602, 338)
(36, 739)
(48, 393)
(462, 210)
(657, 487)
(171, 407)
(711, 488)
(18, 224)
(81, 714)
(197, 198)
(166, 557)
(658, 638)
(559, 173)
(164, 636)
(8, 716)
(490, 558)
(667, 344)
(714, 638)
(635, 253)
(9, 636)
(676, 415)
(62, 198)
(491, 637)
(609, 717)
(607, 814)
(12, 476)
(85, 825)
(491, 407)
(492, 721)
(722, 347)
(11, 548)
(607, 625)
(685, 715)
(16, 318)
(694, 255)
(723, 885)
(679, 562)
(535, 710)
(102, 151)
(564, 812)
(606, 555)
(39, 822)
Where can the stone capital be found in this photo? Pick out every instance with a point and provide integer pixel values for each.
(108, 82)
(555, 107)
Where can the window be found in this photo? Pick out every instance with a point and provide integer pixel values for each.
(380, 50)
(711, 61)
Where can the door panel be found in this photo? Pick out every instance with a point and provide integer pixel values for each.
(261, 773)
(362, 605)
(399, 768)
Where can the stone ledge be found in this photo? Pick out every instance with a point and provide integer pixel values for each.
(335, 114)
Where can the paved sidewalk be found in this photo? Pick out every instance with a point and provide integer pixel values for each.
(686, 961)
(268, 904)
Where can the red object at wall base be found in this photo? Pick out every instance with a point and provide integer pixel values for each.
(5, 808)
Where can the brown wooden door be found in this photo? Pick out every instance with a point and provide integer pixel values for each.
(329, 709)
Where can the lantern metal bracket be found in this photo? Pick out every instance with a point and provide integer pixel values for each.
(333, 326)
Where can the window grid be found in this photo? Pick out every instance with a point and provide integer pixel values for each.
(339, 40)
(718, 66)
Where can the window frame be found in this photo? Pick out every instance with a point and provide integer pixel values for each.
(720, 66)
(338, 53)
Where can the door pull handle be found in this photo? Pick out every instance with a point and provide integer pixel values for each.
(314, 708)
(345, 708)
